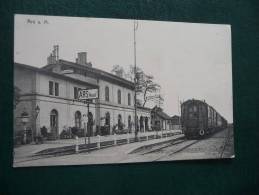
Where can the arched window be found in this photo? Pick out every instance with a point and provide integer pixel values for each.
(119, 96)
(107, 94)
(129, 99)
(78, 119)
(107, 118)
(54, 123)
(120, 122)
(129, 122)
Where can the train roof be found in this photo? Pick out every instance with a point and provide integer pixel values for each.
(195, 100)
(203, 102)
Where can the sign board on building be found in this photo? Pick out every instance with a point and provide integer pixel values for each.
(88, 94)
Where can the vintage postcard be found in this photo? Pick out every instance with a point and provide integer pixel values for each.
(98, 91)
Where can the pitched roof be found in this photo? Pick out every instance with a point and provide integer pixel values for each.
(97, 72)
(175, 116)
(144, 108)
(163, 115)
(46, 72)
(159, 111)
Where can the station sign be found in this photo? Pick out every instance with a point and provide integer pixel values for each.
(88, 94)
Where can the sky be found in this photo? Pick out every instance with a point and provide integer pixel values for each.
(188, 60)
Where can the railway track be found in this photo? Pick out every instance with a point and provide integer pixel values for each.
(179, 147)
(160, 148)
(167, 149)
(227, 139)
(186, 144)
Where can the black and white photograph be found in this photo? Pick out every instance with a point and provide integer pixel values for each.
(108, 91)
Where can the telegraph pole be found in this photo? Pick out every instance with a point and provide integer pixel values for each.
(178, 105)
(88, 125)
(180, 113)
(135, 78)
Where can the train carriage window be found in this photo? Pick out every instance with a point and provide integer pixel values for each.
(184, 113)
(193, 111)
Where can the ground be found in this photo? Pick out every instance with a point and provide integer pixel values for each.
(219, 145)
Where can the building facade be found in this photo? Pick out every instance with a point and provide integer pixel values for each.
(160, 120)
(176, 122)
(54, 90)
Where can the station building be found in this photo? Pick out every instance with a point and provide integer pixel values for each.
(53, 89)
(176, 122)
(159, 119)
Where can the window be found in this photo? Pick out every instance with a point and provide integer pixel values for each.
(54, 122)
(107, 118)
(53, 88)
(129, 99)
(129, 122)
(107, 96)
(56, 89)
(120, 126)
(193, 111)
(50, 88)
(119, 96)
(75, 92)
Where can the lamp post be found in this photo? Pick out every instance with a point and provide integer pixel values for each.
(37, 111)
(25, 120)
(85, 128)
(135, 80)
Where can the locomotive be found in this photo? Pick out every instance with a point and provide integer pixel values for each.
(199, 119)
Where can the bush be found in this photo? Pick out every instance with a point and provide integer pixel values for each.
(74, 131)
(44, 131)
(65, 134)
(80, 133)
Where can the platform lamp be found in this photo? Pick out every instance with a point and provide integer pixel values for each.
(37, 110)
(25, 120)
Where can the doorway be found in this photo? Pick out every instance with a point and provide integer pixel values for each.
(54, 124)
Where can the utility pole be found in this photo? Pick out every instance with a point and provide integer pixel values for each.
(88, 124)
(135, 78)
(179, 108)
(159, 96)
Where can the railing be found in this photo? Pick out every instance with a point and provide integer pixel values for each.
(109, 141)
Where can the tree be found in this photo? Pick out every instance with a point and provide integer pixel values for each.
(147, 90)
(118, 71)
(16, 96)
(130, 74)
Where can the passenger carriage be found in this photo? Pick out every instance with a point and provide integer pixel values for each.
(198, 119)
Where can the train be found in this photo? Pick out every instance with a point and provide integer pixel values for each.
(199, 119)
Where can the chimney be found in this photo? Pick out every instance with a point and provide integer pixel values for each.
(54, 55)
(81, 58)
(51, 59)
(56, 52)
